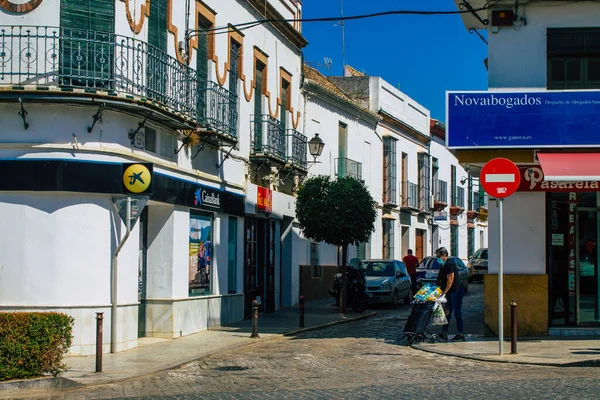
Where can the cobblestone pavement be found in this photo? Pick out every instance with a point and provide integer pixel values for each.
(360, 360)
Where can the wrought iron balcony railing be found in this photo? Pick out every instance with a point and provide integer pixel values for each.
(459, 197)
(268, 137)
(440, 191)
(345, 167)
(297, 149)
(96, 61)
(217, 108)
(410, 195)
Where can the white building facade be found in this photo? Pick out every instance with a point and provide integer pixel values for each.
(424, 196)
(541, 57)
(153, 100)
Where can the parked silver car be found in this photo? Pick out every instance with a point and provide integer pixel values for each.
(478, 265)
(387, 282)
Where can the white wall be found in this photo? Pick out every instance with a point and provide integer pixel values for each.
(524, 234)
(517, 58)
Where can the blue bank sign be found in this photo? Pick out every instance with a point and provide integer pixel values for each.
(522, 119)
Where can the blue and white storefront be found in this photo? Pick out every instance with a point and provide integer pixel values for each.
(552, 223)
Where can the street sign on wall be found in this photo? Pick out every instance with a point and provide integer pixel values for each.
(532, 119)
(500, 178)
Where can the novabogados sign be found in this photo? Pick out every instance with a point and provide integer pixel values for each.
(529, 119)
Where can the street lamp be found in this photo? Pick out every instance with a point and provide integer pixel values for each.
(315, 147)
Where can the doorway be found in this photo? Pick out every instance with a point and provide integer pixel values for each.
(419, 243)
(259, 264)
(587, 279)
(143, 250)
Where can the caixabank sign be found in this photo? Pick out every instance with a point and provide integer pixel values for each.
(529, 119)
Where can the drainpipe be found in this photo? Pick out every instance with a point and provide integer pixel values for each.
(113, 312)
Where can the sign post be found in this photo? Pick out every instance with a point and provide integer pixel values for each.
(500, 178)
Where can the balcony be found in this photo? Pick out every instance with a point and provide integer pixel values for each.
(40, 63)
(345, 167)
(458, 201)
(473, 207)
(410, 195)
(217, 113)
(296, 154)
(268, 140)
(440, 194)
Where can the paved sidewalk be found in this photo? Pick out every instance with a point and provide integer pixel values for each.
(560, 352)
(156, 355)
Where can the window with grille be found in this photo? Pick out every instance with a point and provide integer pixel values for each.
(388, 239)
(162, 143)
(424, 181)
(471, 242)
(389, 171)
(573, 58)
(453, 185)
(454, 240)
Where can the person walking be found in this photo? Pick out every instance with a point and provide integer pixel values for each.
(411, 262)
(454, 292)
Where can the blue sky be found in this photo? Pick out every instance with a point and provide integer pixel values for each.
(425, 56)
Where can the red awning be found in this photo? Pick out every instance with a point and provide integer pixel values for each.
(570, 167)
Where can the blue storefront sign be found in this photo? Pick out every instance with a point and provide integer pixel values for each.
(531, 119)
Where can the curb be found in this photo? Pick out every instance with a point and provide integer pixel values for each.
(327, 325)
(64, 384)
(38, 384)
(586, 363)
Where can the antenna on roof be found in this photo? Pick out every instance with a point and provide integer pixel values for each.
(328, 64)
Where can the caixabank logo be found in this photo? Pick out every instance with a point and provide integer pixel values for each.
(137, 178)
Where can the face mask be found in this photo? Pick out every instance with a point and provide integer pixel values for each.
(440, 261)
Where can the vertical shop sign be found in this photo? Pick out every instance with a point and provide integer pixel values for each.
(572, 244)
(264, 199)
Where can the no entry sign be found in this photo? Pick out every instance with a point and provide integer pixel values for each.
(500, 178)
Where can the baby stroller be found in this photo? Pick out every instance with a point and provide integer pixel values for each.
(416, 327)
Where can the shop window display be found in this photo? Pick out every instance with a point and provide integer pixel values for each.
(200, 252)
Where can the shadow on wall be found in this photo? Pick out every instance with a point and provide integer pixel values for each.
(315, 280)
(50, 202)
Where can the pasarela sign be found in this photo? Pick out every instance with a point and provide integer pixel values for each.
(500, 178)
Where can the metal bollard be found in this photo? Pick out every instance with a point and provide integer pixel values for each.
(301, 307)
(513, 326)
(99, 321)
(254, 320)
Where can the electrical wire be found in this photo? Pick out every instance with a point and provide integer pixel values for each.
(248, 25)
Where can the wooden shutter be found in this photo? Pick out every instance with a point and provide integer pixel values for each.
(157, 72)
(258, 124)
(157, 24)
(88, 42)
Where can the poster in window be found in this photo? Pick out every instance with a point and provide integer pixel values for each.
(200, 253)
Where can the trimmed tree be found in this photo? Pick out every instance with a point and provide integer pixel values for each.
(339, 212)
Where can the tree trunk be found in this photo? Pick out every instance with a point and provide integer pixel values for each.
(344, 275)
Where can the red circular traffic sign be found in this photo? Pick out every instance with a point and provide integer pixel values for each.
(500, 178)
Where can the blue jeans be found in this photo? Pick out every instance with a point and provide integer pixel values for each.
(454, 305)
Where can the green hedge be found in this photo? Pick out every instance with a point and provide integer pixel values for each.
(33, 343)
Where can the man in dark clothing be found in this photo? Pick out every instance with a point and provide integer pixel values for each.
(454, 292)
(411, 262)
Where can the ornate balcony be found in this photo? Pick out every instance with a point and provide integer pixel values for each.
(440, 194)
(410, 195)
(345, 167)
(268, 140)
(296, 150)
(458, 201)
(40, 63)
